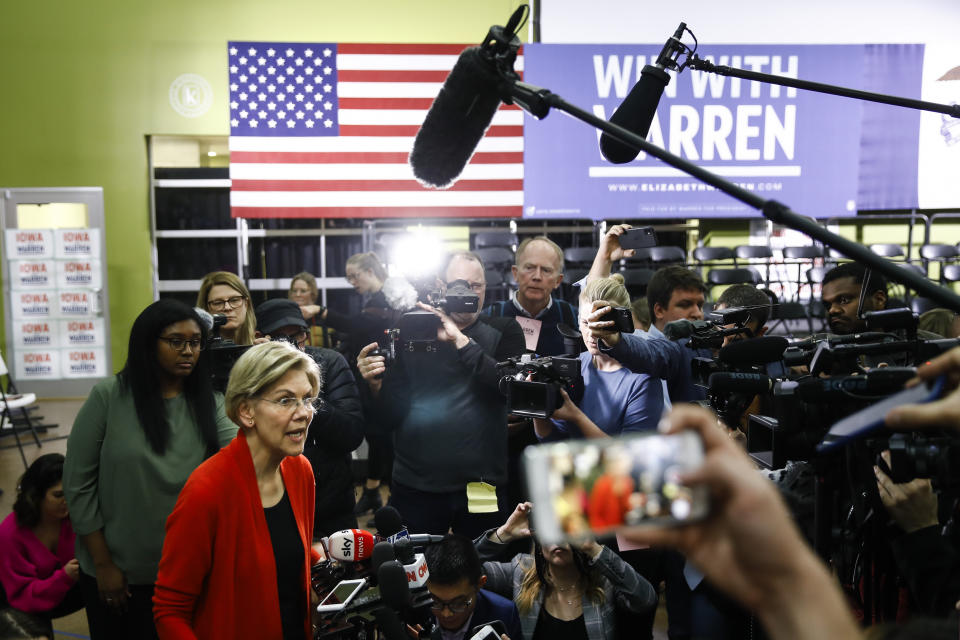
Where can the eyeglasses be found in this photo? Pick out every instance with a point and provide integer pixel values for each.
(220, 305)
(290, 404)
(454, 606)
(351, 277)
(179, 344)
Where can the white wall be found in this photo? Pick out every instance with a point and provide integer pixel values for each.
(751, 21)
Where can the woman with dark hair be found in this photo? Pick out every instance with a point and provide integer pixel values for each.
(133, 445)
(38, 570)
(366, 273)
(562, 591)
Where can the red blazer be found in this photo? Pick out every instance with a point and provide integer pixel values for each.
(217, 575)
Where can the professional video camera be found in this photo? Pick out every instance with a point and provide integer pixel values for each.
(532, 385)
(416, 330)
(220, 354)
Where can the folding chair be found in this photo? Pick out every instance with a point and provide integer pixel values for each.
(15, 416)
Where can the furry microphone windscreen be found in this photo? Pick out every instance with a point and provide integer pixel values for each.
(456, 121)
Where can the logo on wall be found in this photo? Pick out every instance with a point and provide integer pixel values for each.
(191, 95)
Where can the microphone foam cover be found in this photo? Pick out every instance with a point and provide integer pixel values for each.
(382, 552)
(404, 550)
(754, 350)
(394, 589)
(739, 382)
(635, 114)
(456, 121)
(388, 521)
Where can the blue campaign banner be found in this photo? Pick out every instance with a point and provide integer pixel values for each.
(798, 147)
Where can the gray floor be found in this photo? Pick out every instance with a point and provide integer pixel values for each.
(62, 413)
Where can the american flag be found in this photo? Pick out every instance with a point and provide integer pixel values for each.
(323, 130)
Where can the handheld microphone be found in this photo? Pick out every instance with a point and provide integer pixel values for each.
(636, 111)
(205, 318)
(394, 590)
(390, 527)
(753, 383)
(350, 545)
(414, 564)
(464, 108)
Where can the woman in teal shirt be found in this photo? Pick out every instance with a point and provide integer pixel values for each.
(133, 445)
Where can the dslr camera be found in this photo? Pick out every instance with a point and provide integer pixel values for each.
(532, 385)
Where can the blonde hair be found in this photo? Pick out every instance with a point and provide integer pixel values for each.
(248, 328)
(308, 280)
(534, 576)
(610, 289)
(261, 367)
(370, 262)
(553, 245)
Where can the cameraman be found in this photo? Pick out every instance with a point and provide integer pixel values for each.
(447, 415)
(337, 426)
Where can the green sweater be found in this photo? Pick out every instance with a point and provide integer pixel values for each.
(113, 480)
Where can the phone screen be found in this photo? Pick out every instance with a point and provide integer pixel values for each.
(606, 484)
(342, 593)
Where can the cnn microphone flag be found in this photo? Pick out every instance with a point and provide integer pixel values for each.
(323, 130)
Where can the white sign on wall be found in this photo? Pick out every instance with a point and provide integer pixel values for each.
(32, 304)
(38, 365)
(29, 244)
(33, 274)
(75, 303)
(82, 332)
(79, 273)
(83, 363)
(34, 334)
(77, 243)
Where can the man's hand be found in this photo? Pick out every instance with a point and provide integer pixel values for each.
(517, 525)
(912, 505)
(940, 413)
(602, 329)
(749, 546)
(370, 367)
(448, 331)
(310, 310)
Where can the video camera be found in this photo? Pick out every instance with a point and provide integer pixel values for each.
(220, 354)
(416, 330)
(532, 385)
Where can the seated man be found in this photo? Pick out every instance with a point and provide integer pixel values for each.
(337, 427)
(460, 602)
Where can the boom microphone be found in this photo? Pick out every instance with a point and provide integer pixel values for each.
(636, 111)
(350, 545)
(464, 108)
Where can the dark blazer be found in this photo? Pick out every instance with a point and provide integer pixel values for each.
(490, 607)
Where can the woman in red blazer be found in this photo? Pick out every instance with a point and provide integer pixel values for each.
(236, 557)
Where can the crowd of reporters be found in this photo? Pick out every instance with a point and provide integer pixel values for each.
(197, 513)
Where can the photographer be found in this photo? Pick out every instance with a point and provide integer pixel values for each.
(446, 413)
(615, 400)
(337, 427)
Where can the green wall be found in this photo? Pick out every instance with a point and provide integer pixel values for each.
(84, 83)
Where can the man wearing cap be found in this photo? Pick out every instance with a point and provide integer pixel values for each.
(337, 427)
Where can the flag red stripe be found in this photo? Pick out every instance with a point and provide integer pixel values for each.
(402, 48)
(376, 212)
(410, 130)
(360, 157)
(392, 75)
(370, 185)
(398, 103)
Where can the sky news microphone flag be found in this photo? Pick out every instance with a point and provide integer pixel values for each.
(321, 130)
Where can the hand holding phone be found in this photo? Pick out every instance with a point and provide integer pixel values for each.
(638, 238)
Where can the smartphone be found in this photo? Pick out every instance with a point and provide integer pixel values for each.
(488, 631)
(871, 419)
(341, 595)
(638, 238)
(585, 488)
